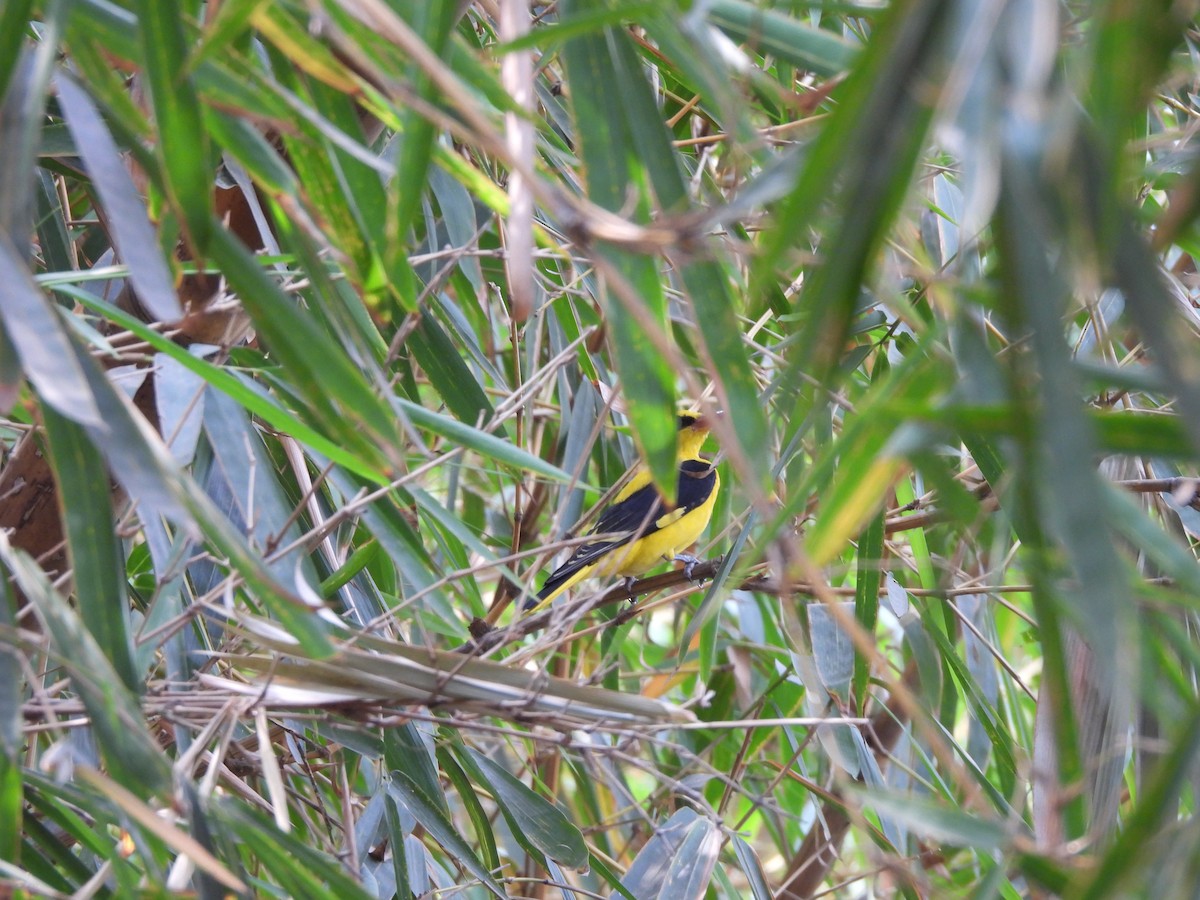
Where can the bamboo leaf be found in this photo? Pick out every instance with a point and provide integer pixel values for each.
(131, 753)
(84, 492)
(183, 140)
(778, 34)
(11, 782)
(676, 862)
(535, 819)
(406, 791)
(939, 822)
(126, 215)
(41, 342)
(637, 307)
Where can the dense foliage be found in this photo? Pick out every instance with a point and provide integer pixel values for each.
(325, 326)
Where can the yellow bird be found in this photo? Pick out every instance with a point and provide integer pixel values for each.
(640, 529)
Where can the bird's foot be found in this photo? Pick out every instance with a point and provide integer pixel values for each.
(689, 563)
(627, 585)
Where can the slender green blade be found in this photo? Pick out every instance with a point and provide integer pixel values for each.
(535, 819)
(41, 341)
(125, 212)
(407, 791)
(182, 138)
(11, 694)
(772, 32)
(131, 753)
(868, 577)
(97, 563)
(637, 307)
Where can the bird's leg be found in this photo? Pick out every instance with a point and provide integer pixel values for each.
(627, 585)
(689, 563)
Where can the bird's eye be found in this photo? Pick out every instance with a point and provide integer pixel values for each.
(686, 421)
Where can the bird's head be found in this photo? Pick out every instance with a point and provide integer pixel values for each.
(693, 430)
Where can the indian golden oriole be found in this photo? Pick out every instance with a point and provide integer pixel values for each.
(641, 529)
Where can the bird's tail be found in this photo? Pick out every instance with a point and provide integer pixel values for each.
(555, 585)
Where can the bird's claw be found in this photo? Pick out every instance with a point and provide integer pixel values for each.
(689, 564)
(628, 584)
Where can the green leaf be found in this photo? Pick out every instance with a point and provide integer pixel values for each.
(397, 838)
(405, 747)
(868, 577)
(11, 695)
(480, 441)
(777, 34)
(1176, 560)
(21, 113)
(10, 372)
(1153, 804)
(705, 280)
(741, 400)
(637, 307)
(248, 396)
(12, 805)
(832, 650)
(14, 20)
(535, 820)
(146, 470)
(97, 565)
(862, 161)
(125, 213)
(182, 138)
(752, 869)
(675, 864)
(425, 810)
(938, 822)
(333, 386)
(469, 798)
(433, 22)
(451, 377)
(41, 342)
(300, 869)
(130, 751)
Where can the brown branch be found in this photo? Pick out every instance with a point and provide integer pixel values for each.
(486, 637)
(1184, 490)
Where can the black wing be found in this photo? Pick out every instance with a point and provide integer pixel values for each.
(636, 516)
